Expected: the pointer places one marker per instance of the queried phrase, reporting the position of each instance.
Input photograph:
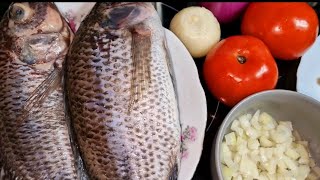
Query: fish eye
(19, 12)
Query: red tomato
(287, 28)
(239, 66)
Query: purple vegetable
(225, 12)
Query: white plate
(308, 73)
(192, 100)
(192, 105)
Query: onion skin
(225, 12)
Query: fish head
(37, 31)
(119, 15)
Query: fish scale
(121, 97)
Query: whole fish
(34, 135)
(121, 96)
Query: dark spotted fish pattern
(34, 136)
(120, 94)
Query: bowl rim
(215, 150)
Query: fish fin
(38, 96)
(174, 164)
(173, 175)
(141, 74)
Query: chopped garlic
(302, 151)
(244, 121)
(267, 121)
(248, 167)
(235, 125)
(272, 176)
(291, 164)
(282, 134)
(255, 120)
(252, 133)
(231, 139)
(226, 155)
(254, 155)
(288, 124)
(302, 172)
(260, 148)
(265, 142)
(282, 167)
(270, 166)
(296, 135)
(292, 154)
(227, 172)
(253, 144)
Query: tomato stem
(241, 59)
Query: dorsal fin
(141, 75)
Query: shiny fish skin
(34, 140)
(126, 127)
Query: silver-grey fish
(34, 136)
(121, 96)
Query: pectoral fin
(39, 95)
(43, 90)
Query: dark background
(287, 80)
